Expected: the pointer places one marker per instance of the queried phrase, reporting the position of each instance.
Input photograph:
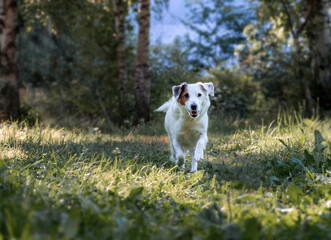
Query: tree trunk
(302, 81)
(122, 71)
(143, 82)
(304, 84)
(319, 45)
(9, 96)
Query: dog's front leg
(198, 152)
(194, 164)
(179, 153)
(172, 149)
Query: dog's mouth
(194, 113)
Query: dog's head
(194, 97)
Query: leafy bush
(235, 91)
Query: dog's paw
(172, 159)
(198, 154)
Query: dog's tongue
(194, 113)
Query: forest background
(92, 63)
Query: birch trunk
(143, 82)
(9, 96)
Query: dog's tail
(164, 107)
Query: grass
(270, 182)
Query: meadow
(267, 181)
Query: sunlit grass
(270, 182)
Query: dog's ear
(176, 90)
(208, 87)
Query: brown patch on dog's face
(184, 96)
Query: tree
(307, 21)
(296, 32)
(282, 46)
(143, 82)
(218, 26)
(9, 96)
(319, 40)
(73, 63)
(119, 10)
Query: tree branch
(289, 18)
(300, 29)
(309, 12)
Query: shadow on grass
(247, 170)
(256, 170)
(146, 150)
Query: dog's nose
(194, 106)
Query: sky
(169, 27)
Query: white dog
(186, 121)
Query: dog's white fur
(187, 129)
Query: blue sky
(170, 26)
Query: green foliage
(68, 59)
(235, 91)
(278, 51)
(218, 27)
(255, 183)
(268, 56)
(70, 55)
(171, 66)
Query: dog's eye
(199, 95)
(186, 95)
